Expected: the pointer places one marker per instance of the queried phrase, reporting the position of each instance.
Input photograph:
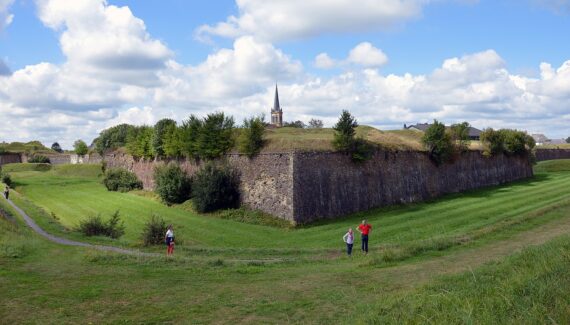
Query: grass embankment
(399, 232)
(19, 147)
(553, 166)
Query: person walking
(348, 238)
(364, 229)
(169, 240)
(7, 192)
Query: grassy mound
(552, 166)
(25, 167)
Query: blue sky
(89, 66)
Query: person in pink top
(348, 238)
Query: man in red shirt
(364, 229)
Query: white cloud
(293, 19)
(6, 17)
(362, 55)
(366, 55)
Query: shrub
(172, 183)
(56, 147)
(153, 231)
(460, 135)
(215, 137)
(510, 142)
(122, 180)
(296, 124)
(315, 124)
(251, 138)
(38, 159)
(80, 147)
(6, 179)
(438, 143)
(345, 131)
(215, 187)
(95, 226)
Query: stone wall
(329, 185)
(552, 154)
(266, 181)
(304, 187)
(10, 158)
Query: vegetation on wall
(345, 138)
(112, 138)
(507, 141)
(439, 143)
(250, 140)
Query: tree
(438, 143)
(161, 129)
(112, 138)
(568, 140)
(172, 143)
(315, 124)
(80, 147)
(345, 131)
(172, 183)
(215, 137)
(139, 142)
(56, 147)
(297, 124)
(190, 134)
(460, 135)
(251, 138)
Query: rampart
(552, 154)
(308, 186)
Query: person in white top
(169, 240)
(348, 238)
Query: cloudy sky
(69, 69)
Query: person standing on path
(7, 192)
(348, 238)
(364, 229)
(169, 239)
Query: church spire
(276, 107)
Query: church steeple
(276, 111)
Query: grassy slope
(72, 198)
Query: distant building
(276, 111)
(474, 134)
(540, 139)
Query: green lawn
(310, 282)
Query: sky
(69, 69)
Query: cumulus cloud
(6, 17)
(293, 19)
(362, 55)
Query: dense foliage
(315, 124)
(568, 140)
(460, 135)
(154, 231)
(507, 141)
(38, 159)
(172, 183)
(121, 180)
(438, 142)
(345, 138)
(251, 138)
(215, 187)
(112, 138)
(95, 226)
(56, 147)
(163, 131)
(215, 137)
(80, 147)
(6, 179)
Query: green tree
(250, 140)
(112, 138)
(345, 132)
(190, 134)
(173, 143)
(296, 124)
(568, 140)
(172, 183)
(438, 143)
(80, 147)
(139, 142)
(161, 129)
(216, 136)
(315, 124)
(215, 187)
(56, 147)
(460, 135)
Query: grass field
(227, 271)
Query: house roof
(539, 138)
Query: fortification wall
(266, 181)
(552, 154)
(329, 185)
(10, 158)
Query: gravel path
(68, 242)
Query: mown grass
(553, 166)
(72, 198)
(532, 287)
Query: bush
(215, 187)
(251, 138)
(122, 180)
(510, 142)
(80, 147)
(38, 159)
(154, 231)
(438, 143)
(95, 226)
(6, 179)
(172, 183)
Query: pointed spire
(276, 106)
